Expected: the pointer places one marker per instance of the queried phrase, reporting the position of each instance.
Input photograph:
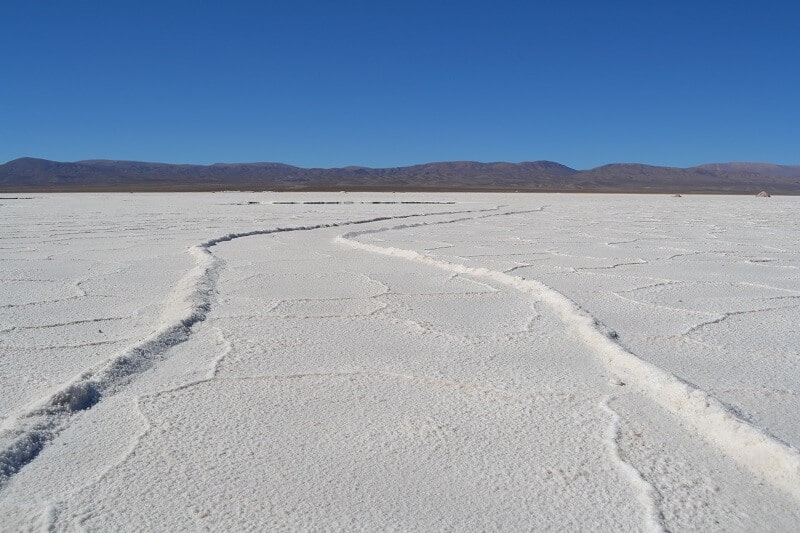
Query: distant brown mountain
(39, 175)
(700, 179)
(767, 169)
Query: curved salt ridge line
(646, 493)
(767, 457)
(25, 434)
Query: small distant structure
(763, 194)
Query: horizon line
(396, 166)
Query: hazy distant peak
(30, 161)
(767, 169)
(31, 174)
(546, 164)
(631, 166)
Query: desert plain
(408, 361)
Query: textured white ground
(580, 362)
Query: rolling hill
(40, 175)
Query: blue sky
(395, 83)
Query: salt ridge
(774, 461)
(24, 434)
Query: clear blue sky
(393, 83)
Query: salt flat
(250, 361)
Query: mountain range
(41, 175)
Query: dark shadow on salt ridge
(27, 433)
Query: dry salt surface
(252, 361)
